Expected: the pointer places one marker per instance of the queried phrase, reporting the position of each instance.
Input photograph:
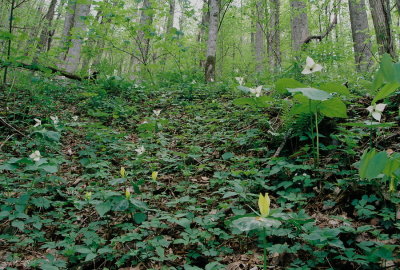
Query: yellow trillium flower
(122, 172)
(127, 193)
(154, 175)
(88, 195)
(264, 203)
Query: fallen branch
(37, 67)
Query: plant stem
(265, 248)
(312, 129)
(317, 135)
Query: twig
(3, 143)
(7, 124)
(278, 151)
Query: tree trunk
(380, 11)
(212, 41)
(68, 24)
(43, 45)
(259, 37)
(142, 42)
(299, 22)
(361, 38)
(74, 52)
(171, 15)
(274, 41)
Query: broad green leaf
(18, 224)
(373, 165)
(311, 93)
(139, 217)
(227, 155)
(364, 163)
(387, 68)
(90, 257)
(333, 107)
(378, 80)
(335, 88)
(386, 91)
(283, 84)
(49, 167)
(103, 208)
(391, 166)
(246, 224)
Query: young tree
(212, 41)
(274, 41)
(361, 38)
(299, 22)
(259, 37)
(380, 11)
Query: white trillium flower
(256, 91)
(376, 111)
(140, 150)
(157, 112)
(38, 122)
(75, 118)
(35, 156)
(54, 119)
(311, 66)
(240, 80)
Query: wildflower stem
(317, 132)
(264, 236)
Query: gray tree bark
(212, 41)
(361, 38)
(171, 15)
(299, 22)
(274, 41)
(380, 11)
(79, 28)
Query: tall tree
(380, 11)
(143, 39)
(45, 35)
(361, 38)
(170, 16)
(74, 33)
(274, 41)
(299, 22)
(259, 36)
(212, 41)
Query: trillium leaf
(333, 87)
(333, 107)
(386, 91)
(246, 224)
(283, 84)
(103, 208)
(311, 93)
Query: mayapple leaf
(372, 164)
(333, 107)
(311, 93)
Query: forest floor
(190, 170)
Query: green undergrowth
(71, 210)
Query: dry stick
(278, 151)
(3, 143)
(7, 124)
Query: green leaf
(372, 164)
(387, 67)
(18, 224)
(41, 202)
(311, 93)
(246, 224)
(283, 84)
(139, 218)
(49, 167)
(333, 107)
(335, 88)
(103, 208)
(391, 167)
(227, 155)
(386, 91)
(90, 257)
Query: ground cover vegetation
(189, 135)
